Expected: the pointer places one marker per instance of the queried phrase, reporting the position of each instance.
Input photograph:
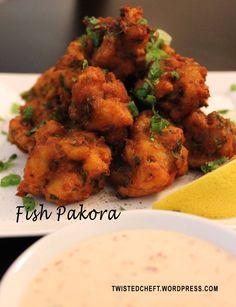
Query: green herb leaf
(33, 130)
(11, 179)
(27, 95)
(4, 132)
(213, 165)
(94, 37)
(15, 108)
(151, 99)
(92, 21)
(133, 109)
(155, 71)
(223, 111)
(122, 208)
(175, 75)
(158, 124)
(27, 113)
(29, 203)
(233, 87)
(142, 21)
(154, 50)
(85, 64)
(7, 164)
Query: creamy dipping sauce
(84, 275)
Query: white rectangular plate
(10, 87)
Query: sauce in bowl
(87, 274)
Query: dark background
(34, 33)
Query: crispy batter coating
(18, 134)
(122, 50)
(209, 137)
(185, 94)
(150, 164)
(49, 98)
(65, 166)
(100, 103)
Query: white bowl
(39, 254)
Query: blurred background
(34, 33)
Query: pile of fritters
(120, 104)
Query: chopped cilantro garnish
(158, 123)
(94, 37)
(27, 95)
(175, 75)
(133, 109)
(233, 87)
(15, 108)
(7, 164)
(11, 179)
(154, 50)
(223, 111)
(150, 99)
(27, 113)
(91, 21)
(122, 208)
(33, 130)
(4, 132)
(142, 21)
(29, 203)
(63, 84)
(212, 165)
(155, 71)
(85, 64)
(144, 92)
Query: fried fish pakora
(65, 166)
(48, 99)
(100, 103)
(181, 89)
(122, 49)
(175, 83)
(151, 161)
(209, 137)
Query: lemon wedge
(212, 195)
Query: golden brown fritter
(49, 98)
(100, 103)
(151, 161)
(209, 137)
(123, 49)
(180, 96)
(18, 131)
(177, 83)
(65, 166)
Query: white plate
(39, 254)
(10, 87)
